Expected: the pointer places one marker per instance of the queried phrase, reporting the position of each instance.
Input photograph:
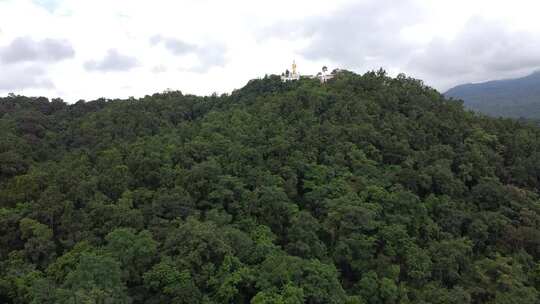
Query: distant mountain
(514, 98)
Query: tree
(318, 281)
(134, 251)
(166, 283)
(39, 245)
(97, 278)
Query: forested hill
(517, 98)
(368, 189)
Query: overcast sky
(81, 49)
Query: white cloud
(20, 78)
(206, 56)
(482, 50)
(362, 35)
(24, 49)
(175, 46)
(202, 46)
(112, 62)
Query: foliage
(367, 189)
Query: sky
(80, 49)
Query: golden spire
(294, 67)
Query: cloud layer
(367, 35)
(24, 61)
(360, 35)
(58, 47)
(15, 78)
(112, 62)
(208, 56)
(25, 49)
(481, 50)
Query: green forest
(368, 189)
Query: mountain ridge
(516, 97)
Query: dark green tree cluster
(365, 190)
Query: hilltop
(366, 189)
(516, 98)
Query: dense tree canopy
(366, 190)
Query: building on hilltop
(290, 76)
(323, 76)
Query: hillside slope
(517, 98)
(368, 189)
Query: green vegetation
(365, 190)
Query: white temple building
(290, 76)
(323, 76)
